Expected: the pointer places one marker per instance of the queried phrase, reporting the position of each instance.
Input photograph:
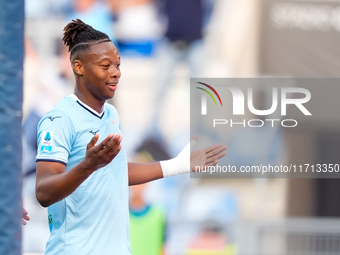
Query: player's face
(101, 70)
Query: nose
(114, 72)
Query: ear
(78, 67)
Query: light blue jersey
(93, 220)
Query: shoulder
(112, 111)
(60, 113)
(65, 104)
(110, 108)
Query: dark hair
(80, 36)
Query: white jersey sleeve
(55, 135)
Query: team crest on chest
(114, 122)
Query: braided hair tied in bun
(79, 36)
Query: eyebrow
(102, 59)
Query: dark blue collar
(88, 108)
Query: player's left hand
(205, 157)
(25, 217)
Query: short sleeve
(55, 134)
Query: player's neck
(89, 100)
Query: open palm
(206, 157)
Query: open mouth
(112, 86)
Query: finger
(217, 157)
(104, 143)
(24, 212)
(113, 144)
(115, 153)
(23, 222)
(212, 163)
(216, 151)
(213, 147)
(93, 141)
(26, 217)
(193, 143)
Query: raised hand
(98, 156)
(206, 157)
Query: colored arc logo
(213, 90)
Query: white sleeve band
(179, 164)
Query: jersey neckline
(88, 108)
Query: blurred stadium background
(240, 38)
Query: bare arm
(54, 184)
(142, 173)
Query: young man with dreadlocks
(82, 169)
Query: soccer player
(82, 169)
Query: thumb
(193, 142)
(93, 141)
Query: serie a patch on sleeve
(47, 141)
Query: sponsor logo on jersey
(53, 118)
(93, 132)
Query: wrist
(177, 165)
(169, 167)
(85, 168)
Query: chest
(86, 130)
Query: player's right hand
(98, 156)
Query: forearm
(142, 173)
(53, 188)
